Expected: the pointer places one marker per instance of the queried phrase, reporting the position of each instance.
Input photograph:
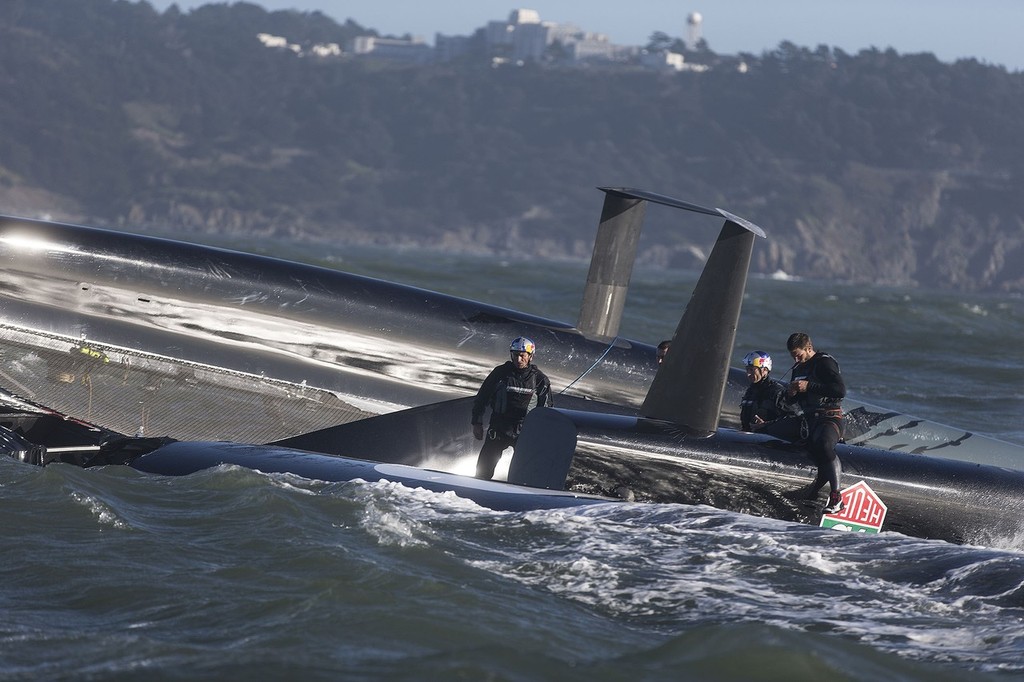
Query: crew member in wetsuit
(510, 390)
(818, 388)
(765, 399)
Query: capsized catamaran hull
(140, 334)
(311, 366)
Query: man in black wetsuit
(510, 390)
(764, 400)
(818, 388)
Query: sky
(987, 30)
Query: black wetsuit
(765, 399)
(821, 426)
(510, 393)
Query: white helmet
(758, 358)
(521, 344)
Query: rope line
(589, 369)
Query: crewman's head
(758, 364)
(663, 350)
(800, 347)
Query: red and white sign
(864, 511)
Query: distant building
(521, 38)
(326, 50)
(319, 50)
(662, 60)
(447, 48)
(524, 37)
(399, 49)
(530, 40)
(278, 42)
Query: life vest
(763, 399)
(820, 378)
(511, 393)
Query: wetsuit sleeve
(747, 408)
(827, 380)
(483, 396)
(544, 391)
(790, 403)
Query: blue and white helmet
(521, 344)
(758, 358)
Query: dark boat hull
(155, 337)
(140, 334)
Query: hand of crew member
(478, 431)
(795, 387)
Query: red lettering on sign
(862, 506)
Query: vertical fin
(611, 264)
(690, 382)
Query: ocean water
(231, 574)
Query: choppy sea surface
(231, 574)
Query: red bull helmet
(521, 344)
(758, 358)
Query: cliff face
(929, 229)
(874, 167)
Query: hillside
(875, 167)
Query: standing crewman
(510, 390)
(818, 388)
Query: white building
(662, 60)
(278, 42)
(326, 50)
(319, 50)
(414, 50)
(524, 37)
